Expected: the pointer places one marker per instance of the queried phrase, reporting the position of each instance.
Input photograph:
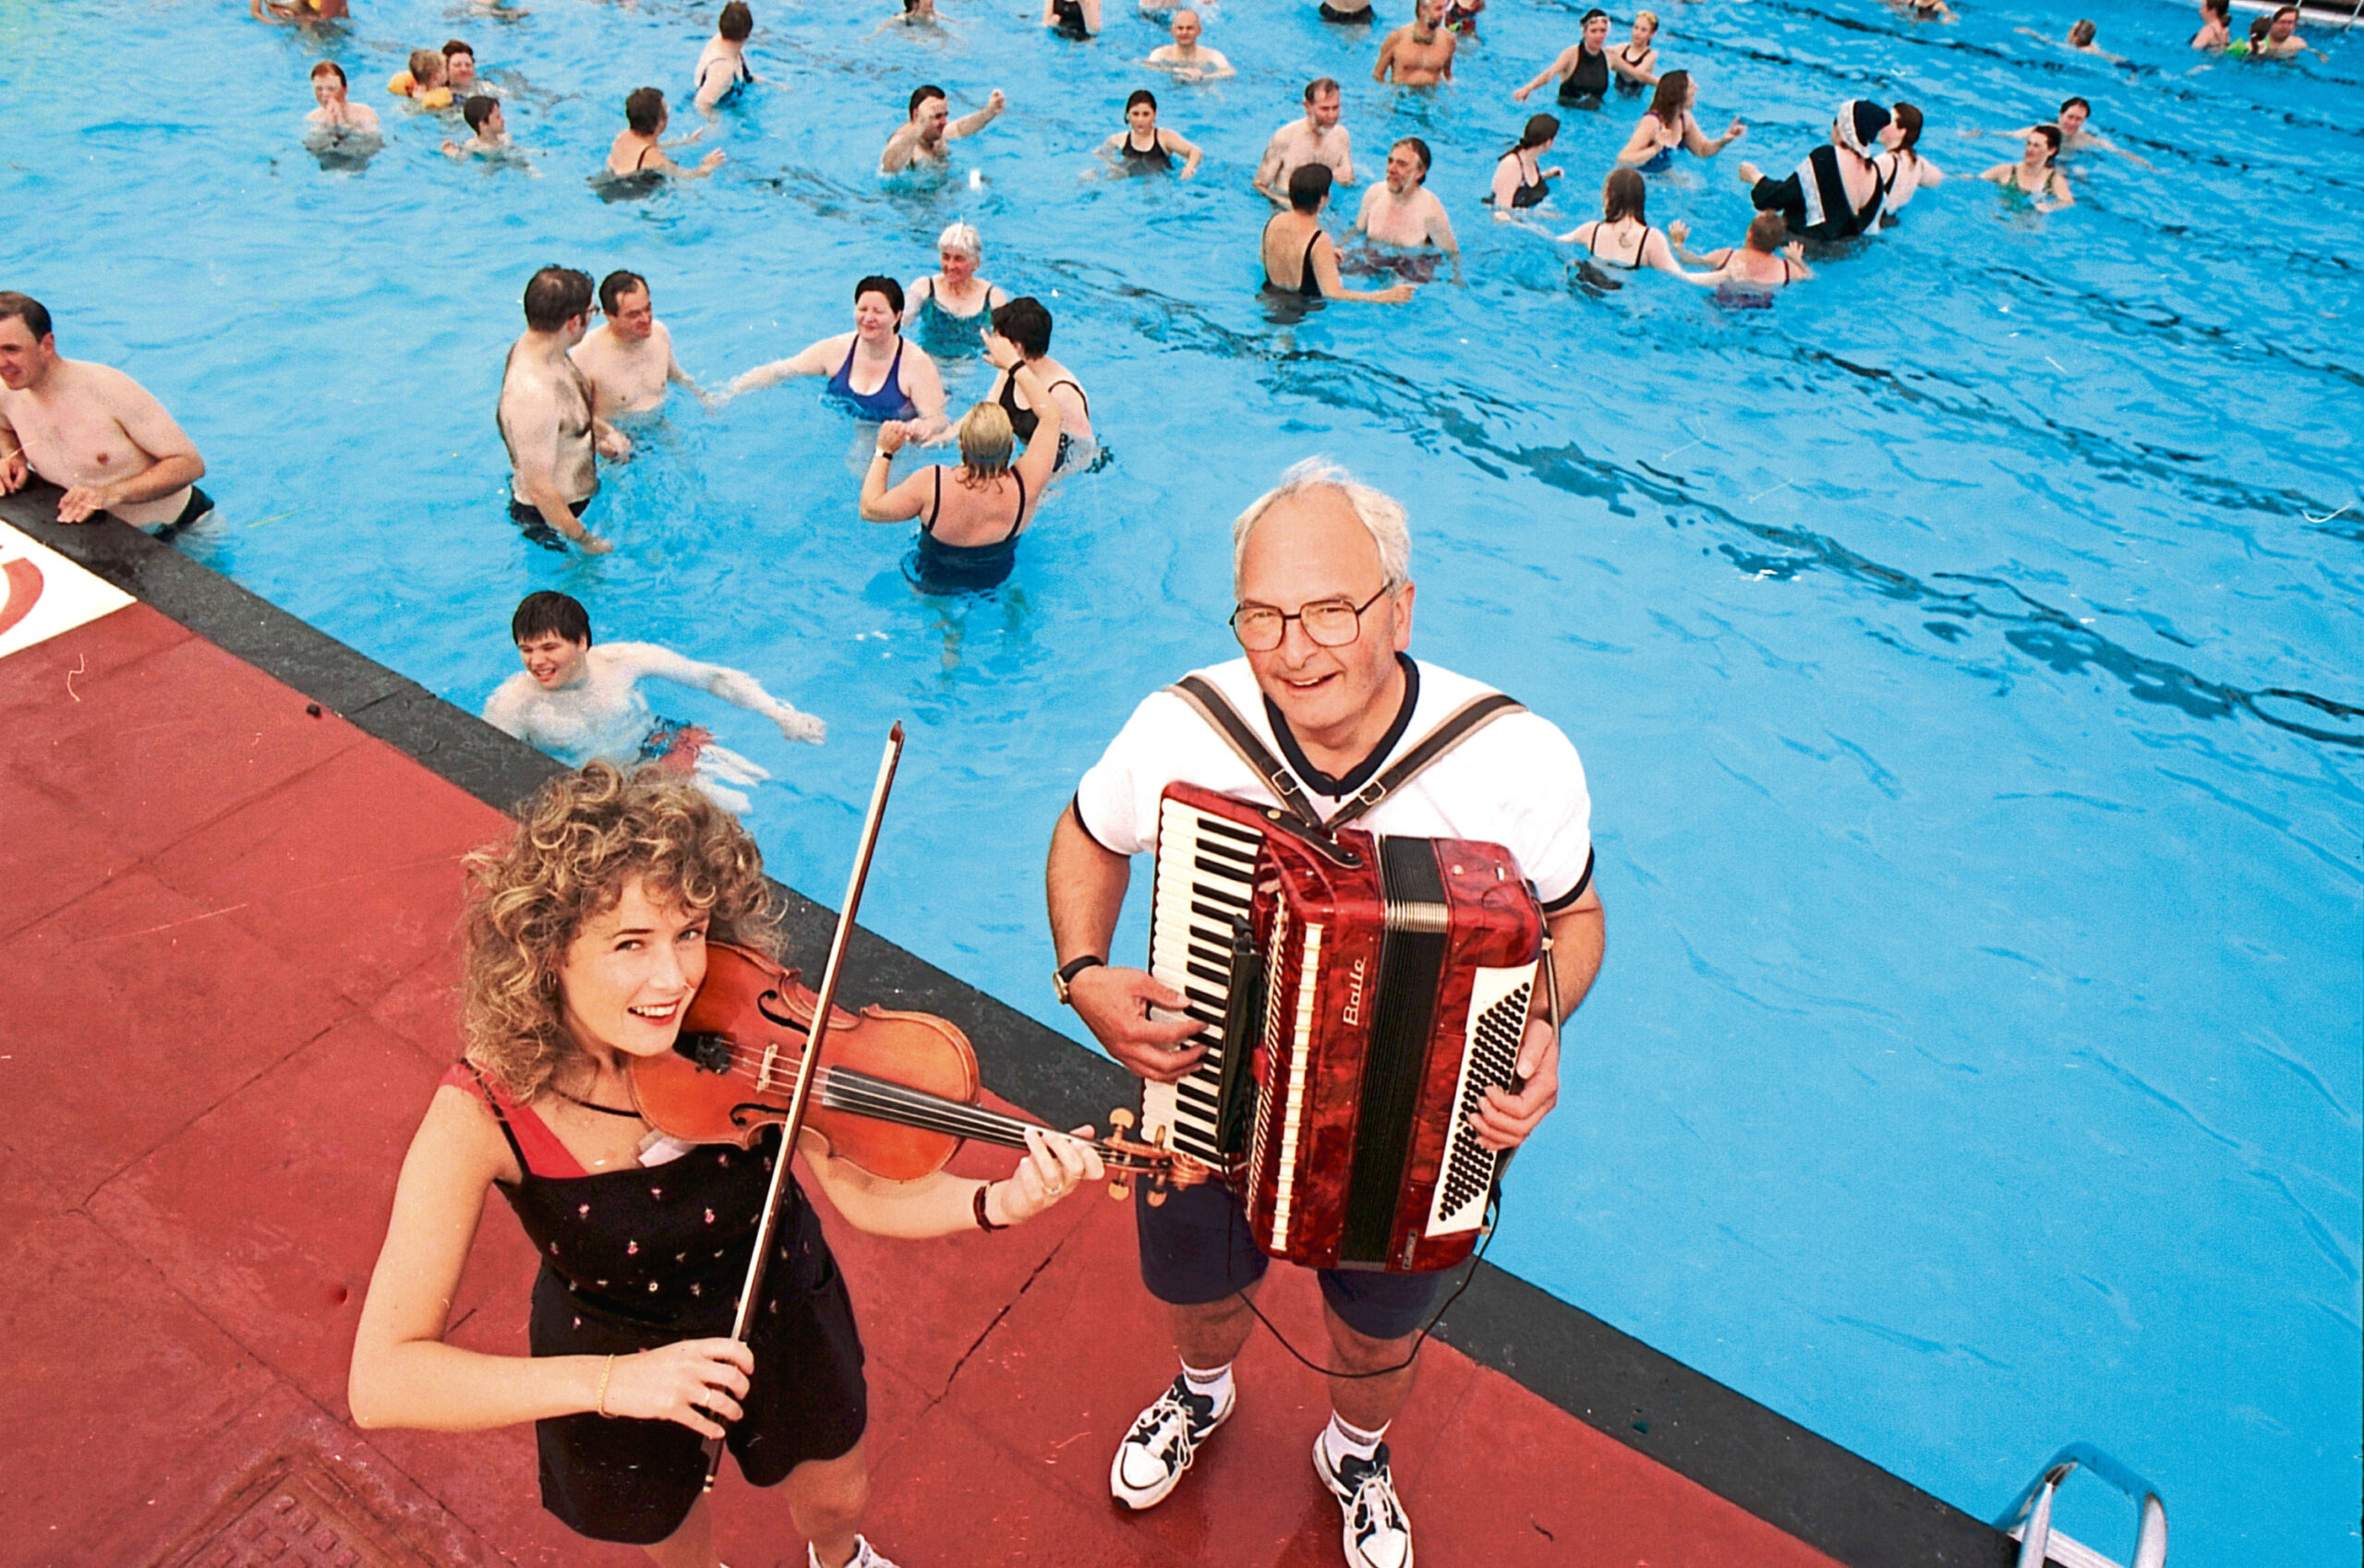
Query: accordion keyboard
(1497, 1017)
(1205, 878)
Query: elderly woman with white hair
(956, 293)
(968, 527)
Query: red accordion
(1384, 984)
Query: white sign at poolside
(42, 594)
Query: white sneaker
(1376, 1533)
(864, 1556)
(1163, 1441)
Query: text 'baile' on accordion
(1357, 995)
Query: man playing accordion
(1325, 614)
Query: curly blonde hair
(579, 839)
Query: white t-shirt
(1517, 782)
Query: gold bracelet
(604, 1374)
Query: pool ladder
(2029, 1521)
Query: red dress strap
(536, 1145)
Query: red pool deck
(229, 914)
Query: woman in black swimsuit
(1072, 18)
(1582, 68)
(1143, 147)
(586, 935)
(1298, 232)
(968, 538)
(1636, 64)
(1520, 178)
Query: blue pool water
(1965, 653)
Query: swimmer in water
(1072, 18)
(1582, 69)
(2080, 40)
(1636, 64)
(722, 72)
(423, 82)
(637, 149)
(1190, 60)
(2216, 32)
(968, 538)
(1419, 54)
(583, 703)
(2073, 120)
(2281, 40)
(1767, 258)
(487, 128)
(1669, 124)
(628, 361)
(902, 382)
(303, 13)
(1144, 146)
(921, 140)
(1621, 236)
(1925, 10)
(1460, 17)
(1317, 138)
(546, 420)
(460, 70)
(1024, 325)
(1295, 241)
(337, 112)
(89, 430)
(1520, 178)
(1835, 192)
(1401, 209)
(1348, 15)
(1903, 170)
(954, 293)
(2037, 173)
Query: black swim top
(1153, 158)
(927, 523)
(1641, 247)
(1528, 194)
(1023, 422)
(1066, 19)
(1626, 55)
(740, 77)
(1587, 80)
(1307, 285)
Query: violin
(896, 1092)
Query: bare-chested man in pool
(546, 420)
(630, 361)
(89, 430)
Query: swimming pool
(1964, 653)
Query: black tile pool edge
(1834, 1500)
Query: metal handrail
(2029, 1518)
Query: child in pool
(489, 127)
(337, 113)
(423, 83)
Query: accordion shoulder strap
(1225, 719)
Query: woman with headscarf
(1835, 194)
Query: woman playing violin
(585, 940)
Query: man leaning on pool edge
(1321, 568)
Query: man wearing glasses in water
(1321, 568)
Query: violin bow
(768, 1232)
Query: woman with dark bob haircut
(586, 937)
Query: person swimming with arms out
(2079, 41)
(953, 296)
(2037, 175)
(638, 151)
(903, 381)
(1766, 259)
(628, 361)
(1295, 241)
(91, 430)
(1520, 180)
(1315, 137)
(1669, 125)
(1903, 170)
(1144, 146)
(968, 528)
(1079, 19)
(1190, 61)
(1025, 324)
(1582, 69)
(2073, 122)
(422, 83)
(338, 116)
(920, 142)
(722, 70)
(1418, 53)
(1401, 211)
(582, 703)
(1621, 236)
(1636, 63)
(588, 931)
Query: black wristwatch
(1064, 976)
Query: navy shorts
(1196, 1249)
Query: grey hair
(1382, 515)
(962, 238)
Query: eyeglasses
(1332, 623)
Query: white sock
(1214, 1385)
(1339, 1440)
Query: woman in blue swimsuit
(1669, 124)
(874, 371)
